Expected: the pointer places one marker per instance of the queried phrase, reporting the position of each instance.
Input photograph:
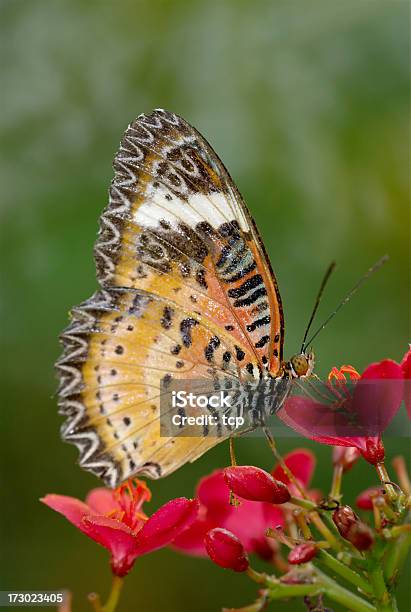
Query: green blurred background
(308, 106)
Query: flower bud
(302, 553)
(344, 517)
(352, 528)
(361, 536)
(255, 484)
(364, 500)
(226, 550)
(374, 451)
(345, 456)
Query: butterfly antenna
(349, 295)
(327, 275)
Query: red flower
(406, 370)
(364, 499)
(355, 417)
(115, 520)
(352, 529)
(302, 553)
(301, 463)
(248, 520)
(255, 484)
(345, 456)
(226, 550)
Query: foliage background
(307, 104)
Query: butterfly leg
(273, 446)
(233, 459)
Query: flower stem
(286, 469)
(114, 596)
(395, 557)
(317, 520)
(256, 576)
(303, 503)
(309, 505)
(400, 468)
(300, 519)
(95, 602)
(385, 480)
(342, 570)
(325, 532)
(384, 602)
(346, 598)
(66, 605)
(336, 483)
(283, 591)
(323, 584)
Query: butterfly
(186, 292)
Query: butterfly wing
(187, 293)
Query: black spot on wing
(167, 317)
(210, 348)
(186, 326)
(262, 342)
(239, 353)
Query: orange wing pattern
(187, 292)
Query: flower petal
(377, 397)
(312, 420)
(345, 457)
(101, 501)
(191, 540)
(364, 499)
(385, 369)
(73, 509)
(366, 412)
(301, 462)
(213, 493)
(116, 537)
(166, 524)
(110, 533)
(250, 520)
(406, 370)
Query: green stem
(325, 532)
(114, 596)
(323, 584)
(256, 576)
(303, 503)
(283, 591)
(385, 480)
(384, 602)
(395, 557)
(342, 570)
(346, 598)
(317, 520)
(336, 483)
(95, 602)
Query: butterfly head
(300, 365)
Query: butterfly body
(187, 293)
